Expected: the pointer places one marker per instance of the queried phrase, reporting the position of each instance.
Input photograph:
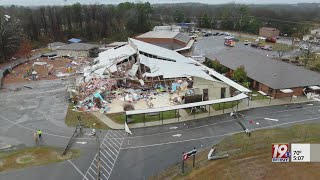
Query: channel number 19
(280, 152)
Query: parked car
(262, 38)
(246, 42)
(227, 34)
(228, 37)
(216, 34)
(267, 47)
(272, 40)
(256, 45)
(229, 43)
(207, 35)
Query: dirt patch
(19, 73)
(33, 157)
(25, 159)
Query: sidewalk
(185, 117)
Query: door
(205, 94)
(223, 92)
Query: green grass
(88, 120)
(250, 157)
(226, 105)
(139, 118)
(34, 156)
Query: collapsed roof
(159, 62)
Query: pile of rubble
(45, 69)
(98, 93)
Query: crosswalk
(109, 150)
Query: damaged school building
(147, 76)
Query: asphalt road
(153, 149)
(145, 153)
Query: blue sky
(62, 2)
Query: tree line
(106, 23)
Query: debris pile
(45, 69)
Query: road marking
(90, 175)
(106, 156)
(174, 127)
(176, 135)
(110, 145)
(83, 142)
(68, 137)
(222, 135)
(93, 171)
(109, 150)
(77, 169)
(271, 119)
(221, 122)
(115, 144)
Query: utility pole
(98, 159)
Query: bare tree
(10, 36)
(307, 47)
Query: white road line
(106, 163)
(118, 141)
(68, 137)
(105, 169)
(229, 120)
(115, 135)
(77, 169)
(115, 161)
(227, 134)
(270, 119)
(109, 149)
(112, 146)
(105, 175)
(93, 171)
(91, 175)
(107, 157)
(109, 154)
(115, 144)
(119, 134)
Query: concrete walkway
(185, 117)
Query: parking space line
(118, 141)
(112, 146)
(121, 135)
(104, 176)
(106, 157)
(109, 155)
(106, 170)
(93, 170)
(115, 135)
(115, 144)
(106, 164)
(91, 175)
(109, 149)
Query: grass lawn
(88, 119)
(34, 156)
(226, 105)
(250, 157)
(120, 117)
